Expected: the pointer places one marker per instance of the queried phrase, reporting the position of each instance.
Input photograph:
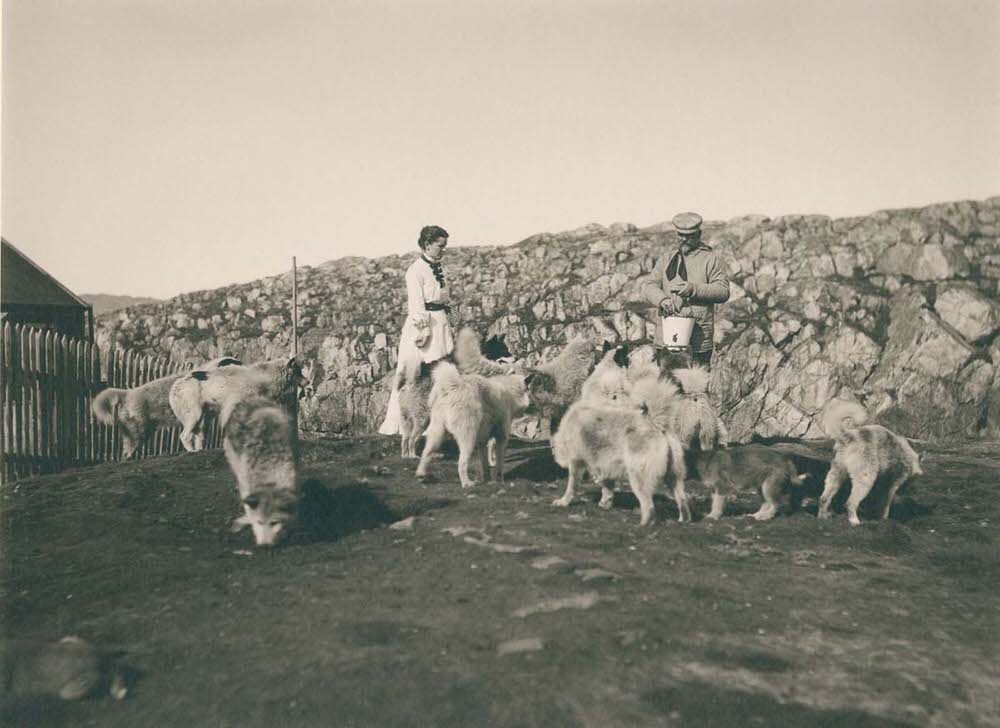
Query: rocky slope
(900, 308)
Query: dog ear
(621, 356)
(606, 347)
(529, 377)
(252, 500)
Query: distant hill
(106, 303)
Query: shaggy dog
(414, 410)
(198, 392)
(415, 385)
(630, 439)
(729, 470)
(470, 359)
(558, 383)
(864, 453)
(69, 669)
(262, 452)
(609, 382)
(143, 409)
(473, 409)
(696, 421)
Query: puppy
(864, 453)
(261, 449)
(202, 391)
(473, 409)
(630, 440)
(729, 470)
(69, 669)
(143, 409)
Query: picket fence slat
(47, 386)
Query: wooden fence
(48, 384)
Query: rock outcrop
(900, 308)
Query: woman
(427, 334)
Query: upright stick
(295, 309)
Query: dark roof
(25, 283)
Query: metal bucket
(677, 330)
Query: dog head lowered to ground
(557, 383)
(262, 451)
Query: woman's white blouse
(423, 288)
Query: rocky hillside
(900, 308)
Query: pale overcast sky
(152, 147)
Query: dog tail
(470, 360)
(658, 400)
(446, 375)
(105, 403)
(692, 380)
(842, 416)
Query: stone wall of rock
(900, 308)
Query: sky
(154, 147)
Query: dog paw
(561, 502)
(606, 504)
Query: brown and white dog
(864, 453)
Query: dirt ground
(493, 608)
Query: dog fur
(557, 384)
(262, 451)
(201, 391)
(863, 454)
(609, 381)
(630, 439)
(414, 410)
(473, 409)
(729, 470)
(469, 357)
(143, 409)
(696, 421)
(415, 384)
(69, 669)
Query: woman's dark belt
(435, 306)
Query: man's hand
(686, 291)
(667, 306)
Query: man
(689, 282)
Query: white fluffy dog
(201, 391)
(473, 409)
(631, 438)
(863, 453)
(141, 410)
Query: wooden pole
(295, 309)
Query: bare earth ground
(496, 609)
